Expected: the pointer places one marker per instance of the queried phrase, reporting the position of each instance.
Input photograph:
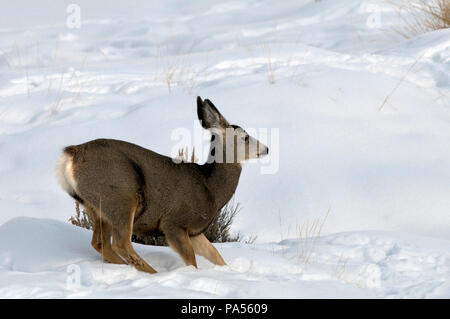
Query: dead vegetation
(81, 218)
(421, 16)
(307, 234)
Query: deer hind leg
(179, 240)
(101, 241)
(203, 247)
(121, 232)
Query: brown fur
(129, 189)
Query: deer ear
(209, 115)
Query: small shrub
(81, 218)
(219, 229)
(421, 16)
(183, 155)
(149, 240)
(217, 232)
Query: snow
(357, 121)
(52, 259)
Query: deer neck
(221, 178)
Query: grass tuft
(422, 16)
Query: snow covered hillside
(357, 120)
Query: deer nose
(265, 151)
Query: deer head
(229, 143)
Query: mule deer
(127, 189)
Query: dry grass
(27, 58)
(388, 97)
(307, 235)
(56, 106)
(171, 65)
(81, 218)
(421, 16)
(183, 155)
(176, 68)
(269, 64)
(340, 267)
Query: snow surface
(363, 120)
(55, 260)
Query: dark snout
(263, 150)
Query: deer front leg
(203, 247)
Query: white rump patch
(64, 173)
